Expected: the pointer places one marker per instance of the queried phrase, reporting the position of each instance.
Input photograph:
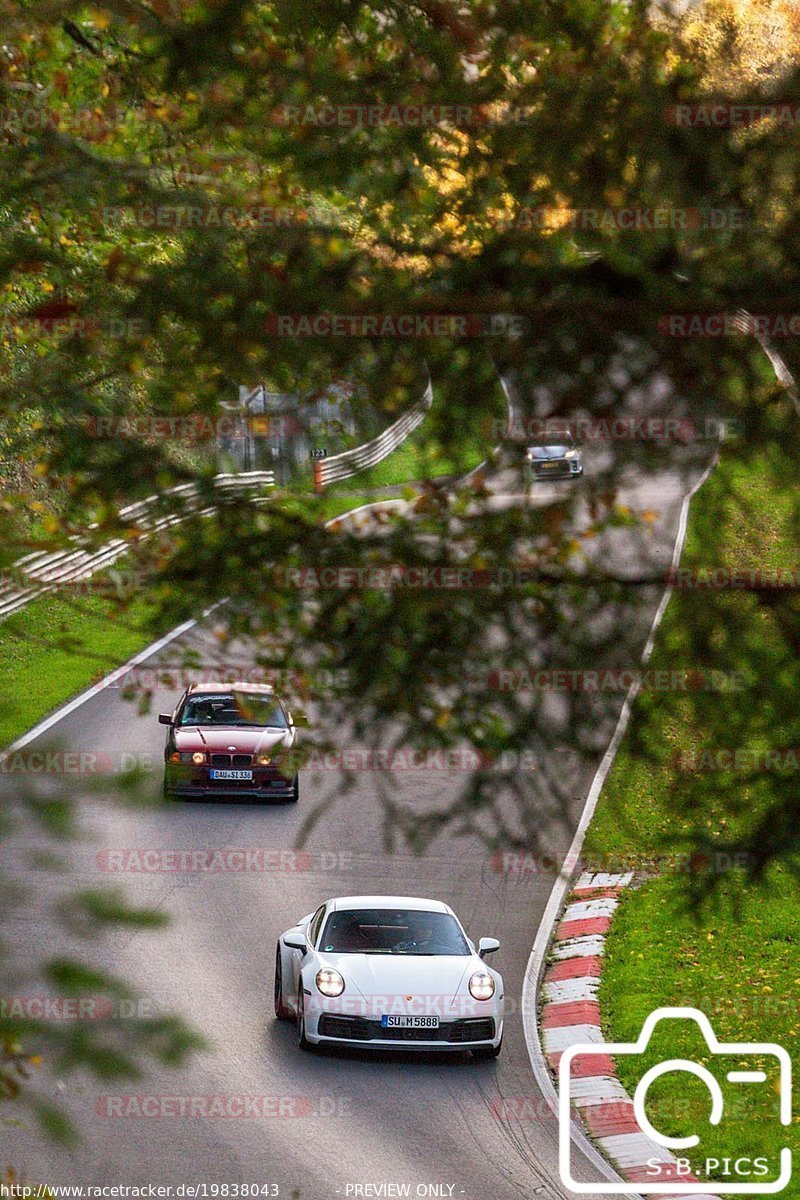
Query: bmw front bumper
(193, 783)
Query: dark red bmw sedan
(230, 739)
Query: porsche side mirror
(164, 719)
(297, 943)
(487, 946)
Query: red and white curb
(571, 1016)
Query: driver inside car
(421, 938)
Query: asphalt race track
(335, 1121)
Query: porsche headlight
(481, 985)
(330, 982)
(571, 454)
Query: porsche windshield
(389, 931)
(242, 709)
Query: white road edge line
(107, 681)
(535, 967)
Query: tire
(302, 1041)
(487, 1052)
(281, 1011)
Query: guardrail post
(318, 483)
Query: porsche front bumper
(453, 1034)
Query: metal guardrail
(43, 571)
(367, 516)
(746, 323)
(349, 462)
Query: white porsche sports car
(390, 972)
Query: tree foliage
(114, 113)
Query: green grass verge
(692, 935)
(415, 460)
(330, 506)
(740, 967)
(57, 646)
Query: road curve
(448, 1126)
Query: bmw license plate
(405, 1021)
(239, 775)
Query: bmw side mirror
(297, 943)
(487, 946)
(164, 719)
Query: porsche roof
(388, 902)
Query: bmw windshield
(245, 710)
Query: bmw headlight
(264, 760)
(198, 757)
(481, 985)
(329, 982)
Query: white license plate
(241, 775)
(404, 1021)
